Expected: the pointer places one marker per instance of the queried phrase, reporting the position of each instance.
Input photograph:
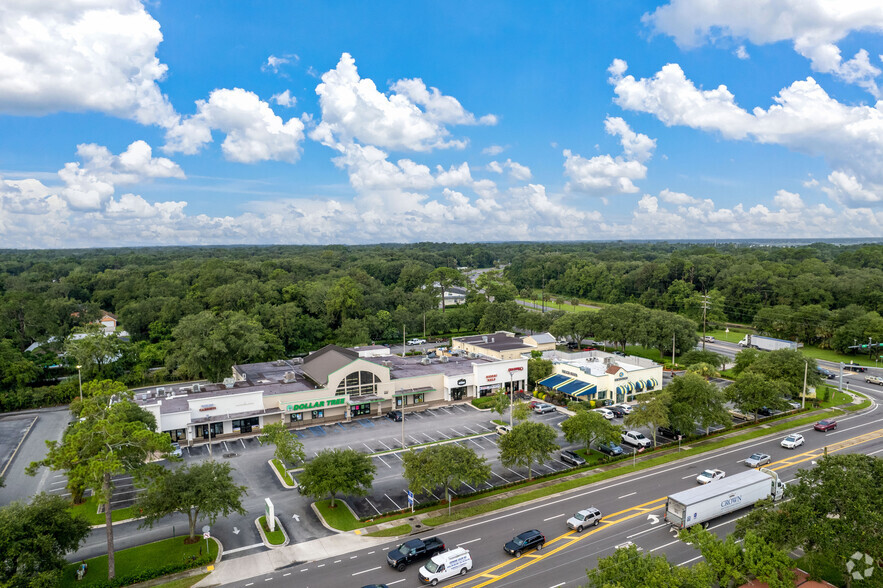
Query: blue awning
(574, 387)
(620, 389)
(630, 387)
(553, 380)
(639, 385)
(587, 391)
(651, 383)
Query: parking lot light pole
(512, 371)
(80, 377)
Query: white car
(792, 441)
(604, 413)
(503, 429)
(635, 438)
(589, 517)
(176, 450)
(416, 341)
(710, 475)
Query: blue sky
(165, 123)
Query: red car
(589, 349)
(825, 425)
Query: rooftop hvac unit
(425, 361)
(197, 388)
(161, 390)
(228, 382)
(296, 360)
(279, 363)
(484, 338)
(444, 359)
(289, 377)
(473, 356)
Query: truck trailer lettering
(731, 501)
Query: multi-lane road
(632, 507)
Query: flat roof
(409, 367)
(499, 341)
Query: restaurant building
(600, 376)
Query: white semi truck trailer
(768, 343)
(704, 503)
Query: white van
(446, 565)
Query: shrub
(485, 402)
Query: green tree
(445, 277)
(696, 401)
(787, 366)
(94, 352)
(752, 391)
(745, 359)
(16, 369)
(289, 449)
(651, 412)
(538, 369)
(112, 436)
(830, 513)
(337, 471)
(733, 562)
(447, 466)
(588, 426)
(501, 402)
(706, 370)
(521, 411)
(527, 443)
(630, 568)
(205, 489)
(695, 356)
(344, 300)
(34, 539)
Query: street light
(80, 377)
(512, 371)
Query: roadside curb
(17, 447)
(329, 527)
(257, 523)
(279, 477)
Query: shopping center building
(601, 376)
(330, 385)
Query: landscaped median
(282, 474)
(143, 563)
(89, 511)
(341, 518)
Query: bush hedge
(485, 402)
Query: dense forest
(193, 312)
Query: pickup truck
(412, 551)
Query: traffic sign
(206, 535)
(410, 497)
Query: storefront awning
(553, 381)
(587, 391)
(652, 383)
(621, 390)
(412, 391)
(573, 387)
(364, 399)
(639, 386)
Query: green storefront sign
(315, 404)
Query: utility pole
(543, 298)
(403, 340)
(803, 400)
(424, 325)
(704, 311)
(672, 352)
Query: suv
(874, 380)
(572, 457)
(853, 367)
(635, 438)
(544, 408)
(708, 339)
(589, 517)
(825, 425)
(669, 432)
(618, 411)
(395, 415)
(523, 542)
(825, 373)
(611, 449)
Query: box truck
(703, 503)
(768, 343)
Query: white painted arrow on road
(653, 519)
(236, 530)
(295, 517)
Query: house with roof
(503, 344)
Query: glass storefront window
(458, 393)
(296, 417)
(318, 414)
(399, 400)
(178, 434)
(418, 398)
(245, 425)
(357, 383)
(361, 409)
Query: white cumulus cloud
(284, 99)
(605, 174)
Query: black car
(765, 411)
(376, 586)
(669, 432)
(573, 458)
(523, 542)
(395, 415)
(572, 345)
(611, 449)
(826, 373)
(617, 411)
(619, 353)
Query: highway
(632, 507)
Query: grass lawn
(734, 336)
(139, 560)
(392, 531)
(184, 582)
(838, 399)
(499, 422)
(89, 511)
(592, 457)
(276, 537)
(565, 306)
(339, 517)
(281, 469)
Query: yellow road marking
(641, 509)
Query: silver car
(584, 518)
(757, 459)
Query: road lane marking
(320, 566)
(666, 545)
(247, 547)
(288, 574)
(354, 557)
(646, 531)
(555, 517)
(366, 571)
(627, 495)
(690, 476)
(396, 582)
(468, 542)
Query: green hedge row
(485, 402)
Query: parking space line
(456, 432)
(470, 430)
(499, 476)
(445, 409)
(384, 462)
(442, 434)
(482, 426)
(491, 440)
(393, 502)
(243, 442)
(372, 506)
(427, 436)
(397, 456)
(476, 443)
(468, 486)
(414, 440)
(431, 493)
(365, 423)
(226, 447)
(516, 473)
(384, 444)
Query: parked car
(611, 449)
(765, 411)
(792, 441)
(874, 380)
(625, 408)
(635, 438)
(757, 459)
(618, 411)
(572, 457)
(416, 341)
(589, 348)
(543, 408)
(619, 353)
(589, 517)
(503, 429)
(176, 450)
(524, 541)
(572, 345)
(825, 425)
(669, 432)
(395, 415)
(533, 404)
(709, 476)
(607, 414)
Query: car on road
(412, 551)
(709, 476)
(611, 449)
(176, 450)
(854, 367)
(394, 415)
(607, 414)
(572, 457)
(416, 341)
(445, 565)
(635, 438)
(543, 408)
(589, 517)
(755, 460)
(502, 429)
(524, 541)
(669, 432)
(874, 380)
(825, 425)
(618, 411)
(825, 373)
(792, 441)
